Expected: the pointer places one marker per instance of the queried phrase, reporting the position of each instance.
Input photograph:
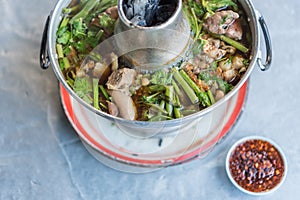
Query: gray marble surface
(41, 157)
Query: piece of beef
(121, 80)
(224, 23)
(235, 31)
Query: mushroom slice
(230, 75)
(125, 104)
(238, 62)
(112, 12)
(219, 95)
(225, 65)
(112, 109)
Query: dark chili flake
(256, 165)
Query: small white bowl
(255, 138)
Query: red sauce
(256, 165)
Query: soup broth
(218, 58)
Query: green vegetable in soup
(231, 42)
(83, 88)
(161, 77)
(213, 5)
(151, 98)
(78, 35)
(79, 29)
(198, 46)
(170, 95)
(83, 13)
(63, 35)
(104, 92)
(194, 12)
(223, 85)
(167, 94)
(201, 95)
(186, 87)
(158, 108)
(96, 93)
(106, 22)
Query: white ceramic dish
(256, 138)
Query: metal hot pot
(187, 138)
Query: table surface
(41, 156)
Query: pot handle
(44, 58)
(268, 43)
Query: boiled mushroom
(125, 104)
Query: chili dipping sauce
(256, 165)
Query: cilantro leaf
(161, 77)
(198, 46)
(107, 23)
(80, 46)
(214, 5)
(223, 85)
(79, 28)
(83, 88)
(198, 8)
(205, 76)
(63, 35)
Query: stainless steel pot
(154, 47)
(48, 55)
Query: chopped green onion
(231, 42)
(191, 83)
(176, 88)
(162, 105)
(187, 89)
(64, 22)
(202, 95)
(104, 92)
(188, 112)
(157, 107)
(85, 10)
(103, 106)
(177, 113)
(66, 63)
(59, 49)
(211, 97)
(170, 95)
(95, 57)
(96, 93)
(156, 88)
